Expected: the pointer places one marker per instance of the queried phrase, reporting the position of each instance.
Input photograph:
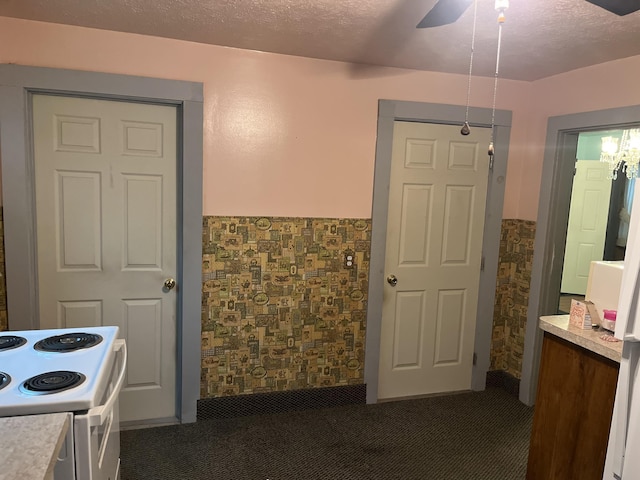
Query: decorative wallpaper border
(284, 303)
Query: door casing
(17, 85)
(551, 227)
(390, 111)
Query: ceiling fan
(445, 12)
(619, 7)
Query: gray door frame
(551, 228)
(390, 111)
(17, 85)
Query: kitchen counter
(29, 445)
(574, 403)
(558, 325)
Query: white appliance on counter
(623, 452)
(603, 285)
(79, 371)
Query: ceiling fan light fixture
(502, 5)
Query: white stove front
(23, 362)
(91, 449)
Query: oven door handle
(98, 415)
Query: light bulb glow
(609, 145)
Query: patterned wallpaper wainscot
(512, 295)
(282, 308)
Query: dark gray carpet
(473, 436)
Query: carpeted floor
(474, 436)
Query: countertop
(29, 445)
(590, 339)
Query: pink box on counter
(579, 316)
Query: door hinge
(475, 358)
(482, 264)
(490, 162)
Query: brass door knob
(169, 284)
(392, 280)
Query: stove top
(50, 383)
(4, 380)
(8, 342)
(57, 370)
(68, 342)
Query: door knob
(169, 283)
(392, 280)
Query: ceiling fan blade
(444, 12)
(619, 7)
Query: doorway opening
(599, 213)
(551, 231)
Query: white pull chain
(501, 6)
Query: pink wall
(283, 135)
(291, 136)
(608, 85)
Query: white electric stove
(79, 371)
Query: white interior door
(105, 176)
(587, 227)
(437, 197)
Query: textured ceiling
(540, 37)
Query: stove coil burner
(7, 342)
(5, 380)
(52, 382)
(68, 342)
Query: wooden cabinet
(572, 415)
